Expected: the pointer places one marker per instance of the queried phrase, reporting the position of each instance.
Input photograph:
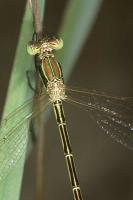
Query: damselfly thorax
(49, 69)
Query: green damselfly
(112, 114)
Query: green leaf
(18, 93)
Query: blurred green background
(105, 64)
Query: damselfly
(112, 114)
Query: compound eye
(32, 48)
(56, 44)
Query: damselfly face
(45, 45)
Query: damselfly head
(44, 47)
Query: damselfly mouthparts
(113, 114)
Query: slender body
(52, 78)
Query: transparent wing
(113, 114)
(14, 133)
(12, 150)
